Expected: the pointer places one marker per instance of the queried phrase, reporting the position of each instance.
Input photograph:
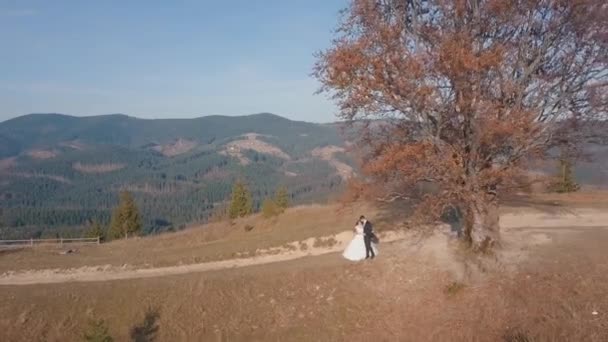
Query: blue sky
(157, 59)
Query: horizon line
(169, 118)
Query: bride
(355, 251)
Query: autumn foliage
(461, 94)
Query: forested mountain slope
(59, 172)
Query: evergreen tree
(282, 198)
(96, 230)
(125, 219)
(241, 202)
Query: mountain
(42, 130)
(58, 172)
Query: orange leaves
(415, 162)
(341, 64)
(455, 54)
(460, 55)
(467, 89)
(497, 129)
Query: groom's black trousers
(369, 251)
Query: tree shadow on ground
(396, 214)
(147, 330)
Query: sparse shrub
(270, 209)
(248, 227)
(96, 230)
(515, 335)
(321, 242)
(147, 330)
(454, 288)
(289, 247)
(97, 331)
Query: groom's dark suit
(368, 233)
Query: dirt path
(510, 222)
(108, 272)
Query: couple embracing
(364, 243)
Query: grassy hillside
(418, 289)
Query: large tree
(462, 93)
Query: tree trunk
(482, 229)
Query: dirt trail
(528, 220)
(108, 272)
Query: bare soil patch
(41, 154)
(56, 178)
(7, 163)
(179, 146)
(327, 153)
(250, 142)
(74, 144)
(97, 168)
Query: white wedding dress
(355, 251)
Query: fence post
(61, 241)
(98, 240)
(31, 241)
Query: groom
(368, 233)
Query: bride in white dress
(355, 251)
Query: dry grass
(225, 240)
(549, 296)
(393, 298)
(212, 242)
(589, 198)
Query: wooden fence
(61, 241)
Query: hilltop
(39, 131)
(283, 280)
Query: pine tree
(241, 203)
(282, 198)
(96, 230)
(125, 219)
